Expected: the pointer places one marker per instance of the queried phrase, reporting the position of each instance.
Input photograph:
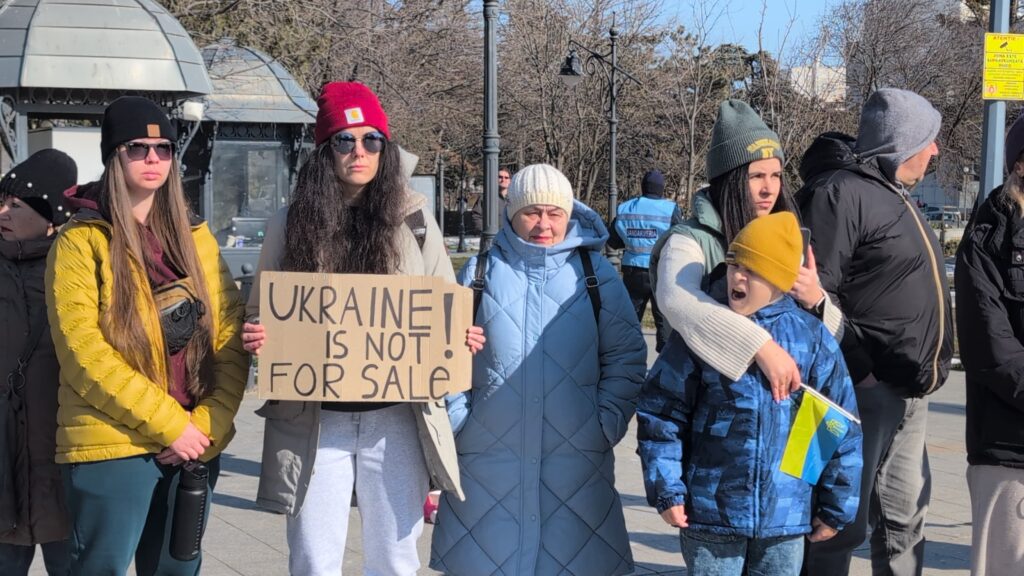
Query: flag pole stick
(828, 401)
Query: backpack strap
(418, 226)
(590, 279)
(479, 283)
(16, 377)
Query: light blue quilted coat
(552, 394)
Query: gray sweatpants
(895, 491)
(379, 454)
(997, 515)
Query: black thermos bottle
(189, 512)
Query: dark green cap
(739, 137)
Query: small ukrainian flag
(819, 427)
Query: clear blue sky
(737, 21)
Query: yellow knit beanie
(771, 247)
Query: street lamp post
(440, 193)
(962, 196)
(491, 141)
(462, 210)
(573, 71)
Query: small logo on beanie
(354, 115)
(153, 130)
(767, 146)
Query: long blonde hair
(169, 221)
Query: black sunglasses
(140, 150)
(345, 143)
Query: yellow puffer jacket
(107, 409)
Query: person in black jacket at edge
(990, 322)
(882, 263)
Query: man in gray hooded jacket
(882, 263)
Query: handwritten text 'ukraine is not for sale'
(348, 337)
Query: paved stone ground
(244, 540)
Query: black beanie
(40, 182)
(132, 117)
(653, 184)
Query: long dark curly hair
(730, 195)
(324, 234)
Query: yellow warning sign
(1003, 76)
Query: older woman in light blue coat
(553, 391)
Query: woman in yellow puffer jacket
(145, 320)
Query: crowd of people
(126, 350)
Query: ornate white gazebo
(70, 58)
(242, 163)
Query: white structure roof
(129, 45)
(249, 86)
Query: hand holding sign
(475, 339)
(362, 337)
(253, 336)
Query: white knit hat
(539, 184)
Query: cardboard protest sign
(352, 338)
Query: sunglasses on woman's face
(140, 150)
(345, 143)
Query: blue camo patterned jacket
(716, 446)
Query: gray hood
(894, 125)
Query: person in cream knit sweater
(745, 171)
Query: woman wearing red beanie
(352, 212)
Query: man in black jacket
(990, 323)
(881, 262)
(477, 215)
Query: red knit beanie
(347, 105)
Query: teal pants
(122, 509)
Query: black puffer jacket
(883, 265)
(42, 515)
(990, 323)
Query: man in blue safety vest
(639, 223)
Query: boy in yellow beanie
(711, 448)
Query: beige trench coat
(292, 430)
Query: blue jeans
(15, 560)
(716, 555)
